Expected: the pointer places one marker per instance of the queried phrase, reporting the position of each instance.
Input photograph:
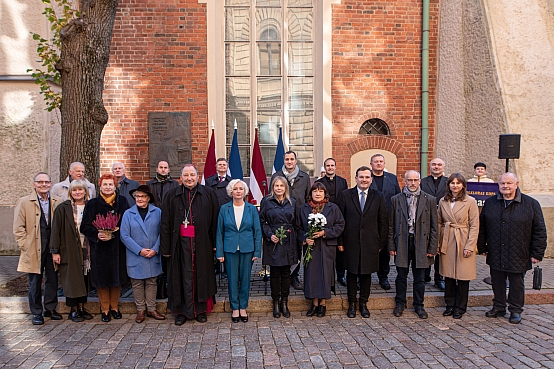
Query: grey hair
(72, 165)
(410, 171)
(508, 174)
(120, 163)
(233, 183)
(39, 173)
(187, 166)
(78, 184)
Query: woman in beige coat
(458, 231)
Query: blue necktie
(362, 200)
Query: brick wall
(157, 63)
(377, 74)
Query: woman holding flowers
(101, 222)
(278, 226)
(320, 223)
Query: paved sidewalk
(382, 341)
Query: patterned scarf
(161, 178)
(317, 206)
(412, 206)
(86, 245)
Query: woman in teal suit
(238, 244)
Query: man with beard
(162, 183)
(187, 239)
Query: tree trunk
(85, 53)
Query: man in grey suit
(386, 184)
(435, 185)
(413, 229)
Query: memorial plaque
(169, 140)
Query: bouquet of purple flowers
(107, 224)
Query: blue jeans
(238, 266)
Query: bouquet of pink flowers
(107, 224)
(316, 222)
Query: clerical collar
(330, 177)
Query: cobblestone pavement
(382, 341)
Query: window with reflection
(269, 77)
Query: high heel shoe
(235, 319)
(244, 318)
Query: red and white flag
(209, 167)
(258, 179)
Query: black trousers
(296, 270)
(279, 281)
(437, 276)
(339, 266)
(402, 279)
(384, 264)
(352, 287)
(516, 294)
(50, 285)
(456, 294)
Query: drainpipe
(425, 90)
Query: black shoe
(351, 312)
(180, 319)
(385, 284)
(427, 279)
(495, 313)
(202, 318)
(244, 318)
(398, 310)
(235, 319)
(85, 314)
(439, 284)
(76, 316)
(276, 312)
(106, 317)
(296, 284)
(312, 311)
(116, 314)
(38, 319)
(321, 311)
(515, 318)
(449, 311)
(457, 315)
(284, 307)
(421, 313)
(487, 280)
(342, 281)
(364, 312)
(52, 314)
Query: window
(374, 126)
(269, 77)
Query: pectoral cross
(186, 223)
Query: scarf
(290, 176)
(109, 199)
(161, 178)
(85, 246)
(412, 206)
(317, 206)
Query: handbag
(537, 278)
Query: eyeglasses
(43, 182)
(141, 196)
(412, 180)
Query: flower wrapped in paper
(316, 223)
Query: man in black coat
(512, 234)
(187, 239)
(162, 183)
(365, 234)
(219, 181)
(335, 185)
(299, 185)
(124, 184)
(435, 185)
(387, 184)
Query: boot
(285, 307)
(276, 313)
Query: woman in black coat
(70, 249)
(107, 253)
(319, 273)
(277, 218)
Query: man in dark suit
(387, 184)
(219, 181)
(435, 185)
(365, 234)
(335, 185)
(413, 229)
(299, 184)
(161, 184)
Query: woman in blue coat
(238, 244)
(140, 233)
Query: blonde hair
(78, 184)
(284, 181)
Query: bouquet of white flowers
(316, 222)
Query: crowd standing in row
(141, 231)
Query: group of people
(325, 227)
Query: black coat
(365, 233)
(160, 190)
(205, 210)
(300, 189)
(220, 188)
(512, 235)
(108, 265)
(390, 187)
(340, 185)
(274, 215)
(319, 274)
(125, 186)
(65, 241)
(428, 187)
